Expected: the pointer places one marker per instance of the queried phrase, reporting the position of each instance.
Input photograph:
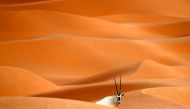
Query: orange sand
(64, 53)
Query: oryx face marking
(119, 98)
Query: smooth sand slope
(160, 24)
(29, 24)
(179, 95)
(20, 82)
(97, 89)
(156, 98)
(99, 8)
(18, 1)
(140, 18)
(45, 103)
(125, 56)
(57, 54)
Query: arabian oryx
(112, 101)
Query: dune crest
(20, 82)
(107, 7)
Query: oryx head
(118, 94)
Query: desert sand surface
(64, 54)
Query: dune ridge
(97, 89)
(107, 7)
(41, 64)
(20, 82)
(60, 23)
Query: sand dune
(20, 82)
(31, 55)
(45, 103)
(171, 29)
(177, 45)
(97, 89)
(107, 7)
(58, 54)
(179, 95)
(62, 23)
(160, 24)
(139, 18)
(18, 1)
(143, 99)
(152, 70)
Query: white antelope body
(112, 101)
(108, 101)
